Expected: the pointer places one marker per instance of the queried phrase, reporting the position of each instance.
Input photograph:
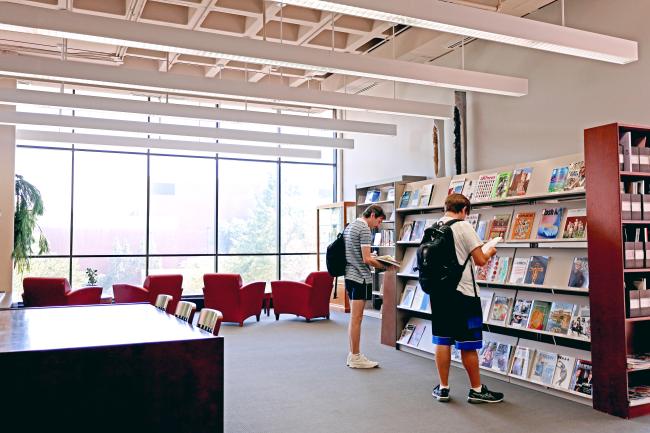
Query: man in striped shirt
(358, 280)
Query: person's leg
(354, 327)
(443, 362)
(470, 362)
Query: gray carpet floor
(290, 376)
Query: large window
(132, 212)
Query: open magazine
(390, 260)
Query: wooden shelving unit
(614, 336)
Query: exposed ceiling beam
(14, 17)
(160, 82)
(66, 100)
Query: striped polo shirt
(356, 235)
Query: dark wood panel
(389, 309)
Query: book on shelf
(582, 374)
(407, 295)
(626, 144)
(417, 334)
(469, 189)
(536, 271)
(484, 186)
(501, 185)
(519, 270)
(499, 309)
(579, 273)
(522, 226)
(539, 315)
(415, 198)
(456, 186)
(559, 318)
(418, 297)
(502, 269)
(407, 229)
(491, 268)
(499, 226)
(389, 260)
(372, 195)
(543, 369)
(486, 302)
(576, 176)
(520, 313)
(472, 219)
(563, 371)
(558, 179)
(418, 230)
(405, 199)
(502, 358)
(376, 239)
(580, 323)
(425, 195)
(520, 180)
(521, 362)
(487, 353)
(575, 226)
(406, 333)
(390, 194)
(481, 229)
(425, 302)
(550, 223)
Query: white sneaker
(347, 361)
(360, 361)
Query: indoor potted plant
(29, 206)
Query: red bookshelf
(613, 334)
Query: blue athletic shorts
(457, 320)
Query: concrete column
(7, 174)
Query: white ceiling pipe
(31, 97)
(40, 68)
(470, 21)
(150, 143)
(22, 118)
(104, 30)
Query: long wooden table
(118, 368)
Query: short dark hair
(375, 210)
(456, 203)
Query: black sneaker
(485, 396)
(440, 394)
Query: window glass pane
(110, 203)
(251, 268)
(247, 207)
(304, 187)
(183, 201)
(50, 171)
(296, 268)
(40, 267)
(110, 270)
(192, 269)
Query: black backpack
(335, 259)
(437, 261)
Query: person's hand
(492, 251)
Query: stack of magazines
(638, 361)
(639, 394)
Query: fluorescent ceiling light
(90, 28)
(41, 68)
(482, 24)
(21, 118)
(150, 143)
(30, 97)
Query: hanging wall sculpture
(457, 141)
(436, 154)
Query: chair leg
(277, 316)
(258, 317)
(307, 319)
(327, 317)
(241, 323)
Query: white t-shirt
(466, 241)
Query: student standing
(457, 317)
(358, 279)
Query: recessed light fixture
(464, 20)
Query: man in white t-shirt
(459, 319)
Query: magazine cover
(501, 185)
(579, 273)
(559, 318)
(417, 334)
(539, 315)
(519, 270)
(418, 230)
(484, 186)
(499, 226)
(550, 223)
(486, 302)
(405, 200)
(581, 323)
(544, 367)
(373, 195)
(520, 180)
(407, 295)
(417, 298)
(469, 189)
(522, 227)
(481, 228)
(472, 219)
(582, 374)
(493, 266)
(456, 187)
(536, 271)
(487, 353)
(502, 270)
(425, 195)
(558, 179)
(563, 371)
(482, 271)
(390, 194)
(575, 226)
(521, 362)
(502, 358)
(406, 334)
(499, 310)
(576, 176)
(415, 198)
(520, 313)
(406, 232)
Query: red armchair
(309, 299)
(154, 285)
(50, 292)
(226, 293)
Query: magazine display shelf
(379, 280)
(614, 335)
(560, 250)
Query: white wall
(7, 163)
(566, 95)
